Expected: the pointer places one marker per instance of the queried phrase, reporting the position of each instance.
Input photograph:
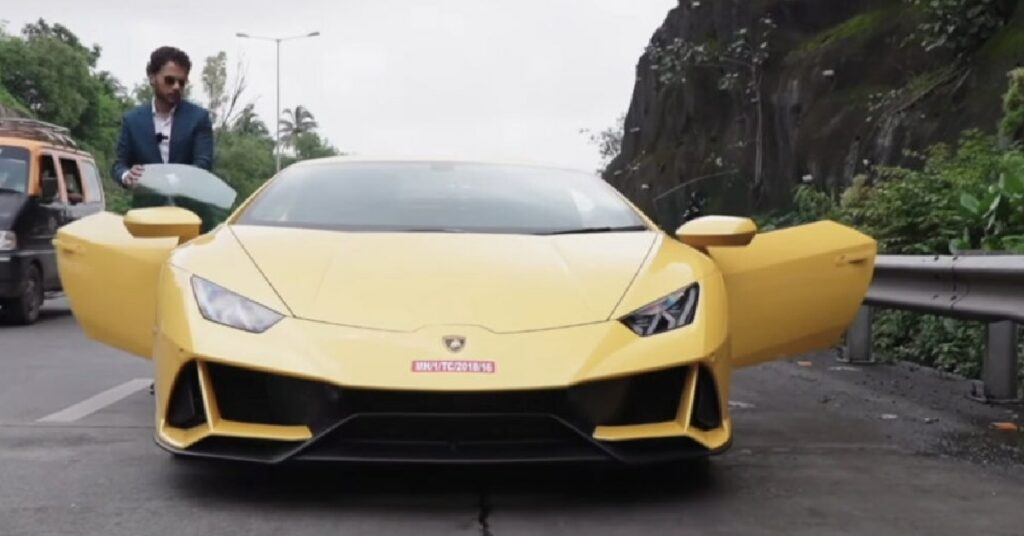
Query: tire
(25, 309)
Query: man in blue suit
(167, 130)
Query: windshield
(188, 187)
(440, 196)
(14, 169)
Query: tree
(608, 141)
(222, 100)
(249, 124)
(244, 161)
(296, 123)
(309, 145)
(740, 62)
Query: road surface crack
(484, 513)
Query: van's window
(48, 179)
(72, 181)
(91, 177)
(14, 168)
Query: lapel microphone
(160, 137)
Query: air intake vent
(186, 406)
(707, 414)
(642, 399)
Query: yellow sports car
(446, 311)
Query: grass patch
(861, 26)
(8, 101)
(1009, 42)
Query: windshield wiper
(9, 190)
(591, 230)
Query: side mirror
(708, 231)
(48, 185)
(163, 222)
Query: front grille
(479, 438)
(494, 426)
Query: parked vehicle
(46, 182)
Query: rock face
(845, 88)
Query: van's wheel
(25, 308)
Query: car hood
(409, 281)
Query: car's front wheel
(25, 308)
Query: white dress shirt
(162, 125)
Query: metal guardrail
(984, 288)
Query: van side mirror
(709, 231)
(163, 222)
(48, 185)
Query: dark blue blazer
(191, 139)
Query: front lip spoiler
(663, 450)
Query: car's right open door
(795, 290)
(110, 278)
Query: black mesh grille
(642, 399)
(256, 397)
(483, 438)
(185, 409)
(707, 414)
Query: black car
(45, 182)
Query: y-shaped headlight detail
(673, 311)
(220, 305)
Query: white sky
(476, 78)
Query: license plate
(455, 367)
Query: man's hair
(163, 55)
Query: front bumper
(12, 269)
(226, 412)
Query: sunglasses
(172, 80)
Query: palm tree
(296, 123)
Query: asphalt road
(821, 448)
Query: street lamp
(277, 120)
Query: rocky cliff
(845, 86)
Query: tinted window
(72, 181)
(48, 179)
(423, 196)
(14, 168)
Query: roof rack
(37, 130)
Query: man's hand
(132, 176)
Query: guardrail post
(858, 338)
(999, 370)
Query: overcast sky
(478, 78)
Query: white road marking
(740, 405)
(98, 402)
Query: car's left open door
(110, 279)
(794, 290)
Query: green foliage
(245, 162)
(995, 215)
(946, 344)
(970, 196)
(960, 25)
(863, 25)
(1012, 125)
(608, 141)
(309, 145)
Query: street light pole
(277, 119)
(277, 122)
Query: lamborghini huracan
(403, 310)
